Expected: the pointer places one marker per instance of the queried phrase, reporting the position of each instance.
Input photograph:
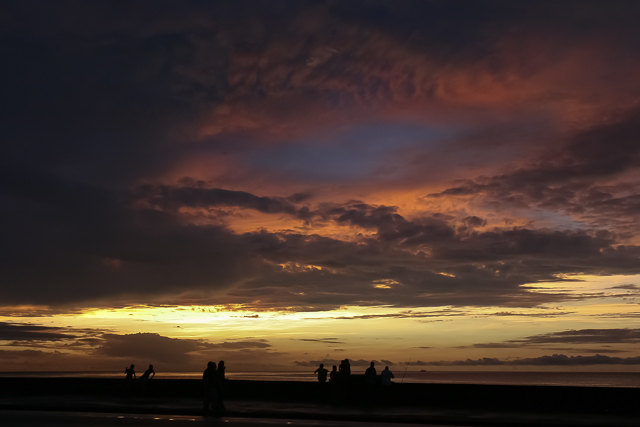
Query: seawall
(597, 400)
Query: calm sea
(581, 379)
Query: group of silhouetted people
(214, 382)
(370, 375)
(336, 375)
(371, 378)
(339, 378)
(131, 374)
(213, 379)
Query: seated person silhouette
(322, 374)
(334, 376)
(385, 376)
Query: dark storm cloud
(240, 345)
(629, 287)
(72, 242)
(390, 225)
(106, 96)
(93, 342)
(360, 363)
(568, 179)
(632, 315)
(94, 97)
(105, 239)
(582, 336)
(553, 360)
(409, 314)
(26, 332)
(112, 350)
(98, 99)
(21, 355)
(563, 360)
(588, 350)
(526, 242)
(171, 197)
(493, 345)
(155, 347)
(550, 314)
(436, 234)
(108, 92)
(322, 340)
(585, 336)
(348, 271)
(379, 54)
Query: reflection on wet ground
(54, 411)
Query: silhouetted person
(148, 374)
(345, 375)
(211, 382)
(322, 374)
(334, 376)
(220, 372)
(385, 376)
(385, 381)
(345, 368)
(370, 375)
(131, 373)
(370, 380)
(334, 380)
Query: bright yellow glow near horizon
(378, 332)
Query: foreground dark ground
(71, 419)
(444, 404)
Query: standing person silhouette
(370, 383)
(211, 383)
(322, 374)
(131, 373)
(220, 372)
(385, 381)
(334, 381)
(345, 368)
(345, 376)
(370, 375)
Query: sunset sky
(453, 184)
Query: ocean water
(579, 379)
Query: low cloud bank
(553, 360)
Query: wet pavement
(305, 413)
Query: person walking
(148, 374)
